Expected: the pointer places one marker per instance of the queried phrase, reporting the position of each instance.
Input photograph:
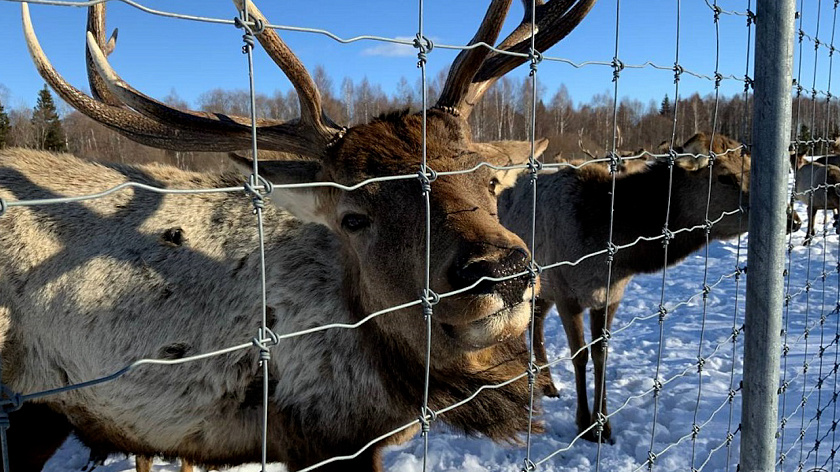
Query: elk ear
(305, 203)
(514, 153)
(518, 152)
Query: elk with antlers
(88, 287)
(573, 220)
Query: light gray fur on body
(107, 291)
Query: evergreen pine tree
(48, 131)
(804, 133)
(665, 107)
(5, 126)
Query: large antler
(476, 69)
(148, 121)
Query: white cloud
(391, 49)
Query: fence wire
(812, 305)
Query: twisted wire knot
(248, 37)
(678, 71)
(427, 417)
(535, 57)
(427, 179)
(618, 66)
(667, 236)
(534, 167)
(257, 198)
(695, 430)
(611, 250)
(615, 162)
(428, 300)
(534, 271)
(529, 466)
(672, 156)
(424, 46)
(265, 349)
(533, 371)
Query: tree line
(574, 131)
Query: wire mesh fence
(673, 362)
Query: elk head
(381, 225)
(730, 178)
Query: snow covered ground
(633, 362)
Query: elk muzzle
(496, 310)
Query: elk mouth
(496, 327)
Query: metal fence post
(765, 255)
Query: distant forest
(504, 113)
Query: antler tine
(469, 61)
(161, 126)
(583, 149)
(134, 126)
(311, 109)
(295, 137)
(96, 25)
(553, 21)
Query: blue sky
(160, 55)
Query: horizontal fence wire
(798, 345)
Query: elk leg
(571, 314)
(186, 466)
(540, 312)
(35, 433)
(143, 463)
(598, 322)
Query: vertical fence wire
(809, 145)
(739, 269)
(668, 235)
(258, 202)
(534, 166)
(701, 361)
(426, 178)
(823, 276)
(600, 400)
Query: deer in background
(573, 220)
(88, 287)
(817, 186)
(637, 163)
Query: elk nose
(493, 262)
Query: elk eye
(494, 182)
(353, 222)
